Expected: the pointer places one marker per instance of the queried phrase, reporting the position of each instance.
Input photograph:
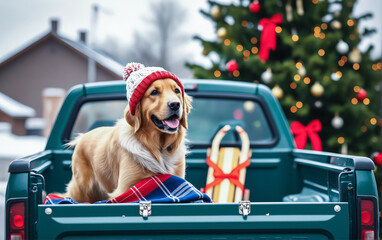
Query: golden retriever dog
(107, 161)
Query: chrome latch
(244, 208)
(145, 208)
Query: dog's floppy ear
(136, 120)
(186, 110)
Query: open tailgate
(194, 221)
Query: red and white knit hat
(138, 78)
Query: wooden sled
(227, 168)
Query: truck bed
(294, 194)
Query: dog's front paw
(115, 194)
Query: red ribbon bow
(233, 176)
(268, 36)
(301, 133)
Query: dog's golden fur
(109, 160)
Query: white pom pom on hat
(131, 67)
(138, 78)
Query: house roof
(13, 108)
(81, 48)
(100, 58)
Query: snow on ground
(12, 146)
(2, 208)
(3, 186)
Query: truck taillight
(368, 218)
(17, 216)
(16, 220)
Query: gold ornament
(317, 89)
(355, 56)
(336, 25)
(278, 92)
(205, 52)
(222, 33)
(215, 12)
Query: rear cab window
(208, 115)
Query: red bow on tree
(268, 36)
(301, 133)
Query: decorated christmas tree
(306, 52)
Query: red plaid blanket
(163, 188)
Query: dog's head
(162, 108)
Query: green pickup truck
(294, 194)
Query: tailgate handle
(244, 208)
(145, 208)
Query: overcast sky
(22, 21)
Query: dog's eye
(177, 91)
(154, 93)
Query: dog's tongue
(173, 123)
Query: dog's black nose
(174, 105)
